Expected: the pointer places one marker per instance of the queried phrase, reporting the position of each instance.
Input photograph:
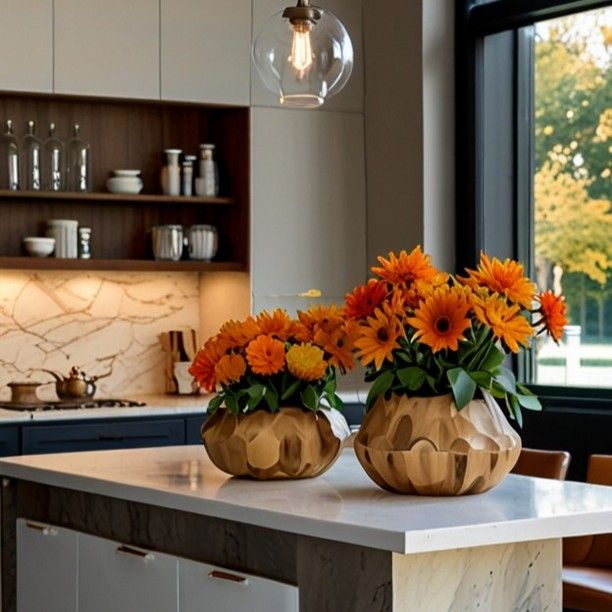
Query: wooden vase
(290, 443)
(425, 446)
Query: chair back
(542, 463)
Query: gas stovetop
(76, 404)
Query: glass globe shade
(304, 64)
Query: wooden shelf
(144, 198)
(135, 265)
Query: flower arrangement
(274, 360)
(424, 332)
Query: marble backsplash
(101, 322)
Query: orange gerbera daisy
(203, 366)
(321, 317)
(505, 277)
(339, 345)
(505, 320)
(553, 310)
(362, 301)
(266, 355)
(239, 333)
(441, 319)
(278, 324)
(406, 268)
(379, 337)
(230, 368)
(306, 362)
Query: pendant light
(304, 55)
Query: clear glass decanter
(31, 159)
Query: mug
(203, 242)
(167, 241)
(65, 232)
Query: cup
(167, 242)
(65, 232)
(203, 242)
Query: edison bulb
(301, 48)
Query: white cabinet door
(124, 578)
(26, 45)
(350, 13)
(46, 567)
(205, 587)
(308, 225)
(107, 48)
(206, 51)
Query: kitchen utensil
(203, 242)
(24, 392)
(167, 242)
(65, 232)
(124, 184)
(77, 385)
(39, 247)
(179, 347)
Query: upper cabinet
(108, 48)
(205, 51)
(26, 45)
(350, 13)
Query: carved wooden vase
(290, 443)
(425, 446)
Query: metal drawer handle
(128, 550)
(45, 529)
(227, 576)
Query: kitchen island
(338, 541)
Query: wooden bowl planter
(425, 446)
(290, 443)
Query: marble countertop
(342, 505)
(156, 405)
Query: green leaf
(310, 397)
(482, 379)
(516, 408)
(412, 377)
(232, 404)
(271, 398)
(330, 386)
(462, 385)
(531, 402)
(256, 390)
(381, 385)
(524, 390)
(290, 390)
(506, 380)
(493, 360)
(215, 403)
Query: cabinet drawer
(215, 589)
(193, 425)
(121, 578)
(9, 441)
(101, 436)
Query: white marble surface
(342, 505)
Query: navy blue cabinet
(9, 441)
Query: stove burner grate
(85, 404)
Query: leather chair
(542, 463)
(587, 560)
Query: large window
(534, 151)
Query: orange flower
(553, 311)
(230, 368)
(278, 324)
(203, 366)
(406, 268)
(378, 337)
(505, 320)
(326, 318)
(339, 344)
(362, 301)
(441, 319)
(266, 355)
(239, 333)
(306, 362)
(506, 278)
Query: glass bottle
(78, 156)
(54, 162)
(31, 159)
(9, 159)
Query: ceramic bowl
(126, 172)
(124, 184)
(39, 247)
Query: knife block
(179, 348)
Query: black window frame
(474, 21)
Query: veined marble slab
(343, 505)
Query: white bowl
(39, 247)
(126, 172)
(124, 184)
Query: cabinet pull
(227, 576)
(128, 550)
(45, 529)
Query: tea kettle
(77, 385)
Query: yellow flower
(306, 362)
(378, 337)
(406, 268)
(441, 319)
